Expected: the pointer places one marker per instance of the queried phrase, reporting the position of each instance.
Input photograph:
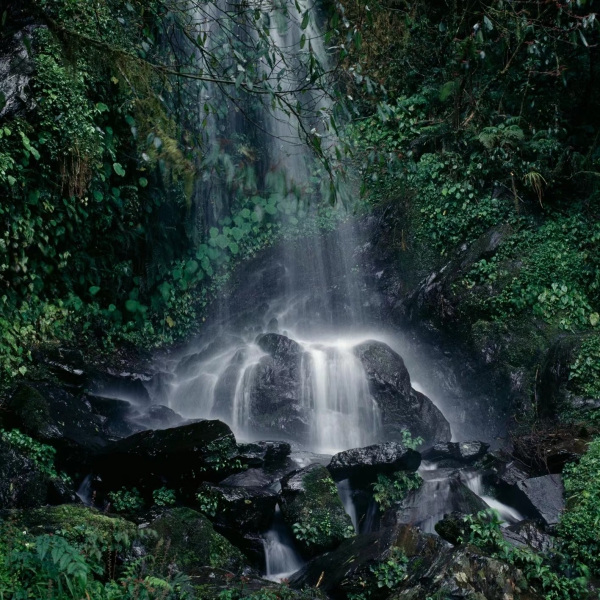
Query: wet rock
(275, 397)
(452, 528)
(455, 454)
(178, 458)
(465, 572)
(241, 508)
(66, 364)
(16, 69)
(362, 465)
(241, 514)
(401, 406)
(119, 416)
(310, 500)
(53, 415)
(194, 544)
(543, 498)
(438, 495)
(348, 569)
(188, 365)
(528, 533)
(264, 453)
(159, 417)
(22, 484)
(257, 478)
(121, 384)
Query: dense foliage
(492, 120)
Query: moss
(193, 543)
(76, 523)
(316, 513)
(28, 409)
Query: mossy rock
(28, 411)
(194, 544)
(75, 522)
(312, 507)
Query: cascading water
(281, 558)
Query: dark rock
(528, 533)
(438, 495)
(159, 417)
(452, 528)
(309, 497)
(193, 543)
(543, 498)
(53, 415)
(22, 484)
(257, 478)
(465, 572)
(16, 69)
(347, 570)
(242, 509)
(264, 453)
(119, 416)
(241, 515)
(66, 364)
(177, 458)
(401, 406)
(362, 465)
(275, 396)
(122, 385)
(455, 454)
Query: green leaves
(119, 170)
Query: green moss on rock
(312, 507)
(193, 543)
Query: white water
(281, 558)
(507, 513)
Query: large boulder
(401, 406)
(543, 498)
(194, 544)
(312, 507)
(275, 388)
(528, 533)
(362, 465)
(349, 569)
(178, 458)
(24, 483)
(55, 416)
(241, 514)
(455, 454)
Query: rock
(528, 533)
(310, 500)
(159, 417)
(454, 454)
(16, 69)
(66, 364)
(53, 415)
(22, 484)
(438, 495)
(241, 509)
(118, 414)
(77, 520)
(543, 498)
(257, 478)
(194, 544)
(122, 385)
(264, 453)
(465, 572)
(275, 396)
(401, 406)
(362, 465)
(348, 569)
(241, 514)
(452, 528)
(178, 458)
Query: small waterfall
(345, 492)
(281, 558)
(474, 481)
(335, 388)
(84, 493)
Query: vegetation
(554, 577)
(389, 490)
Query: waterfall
(281, 558)
(508, 514)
